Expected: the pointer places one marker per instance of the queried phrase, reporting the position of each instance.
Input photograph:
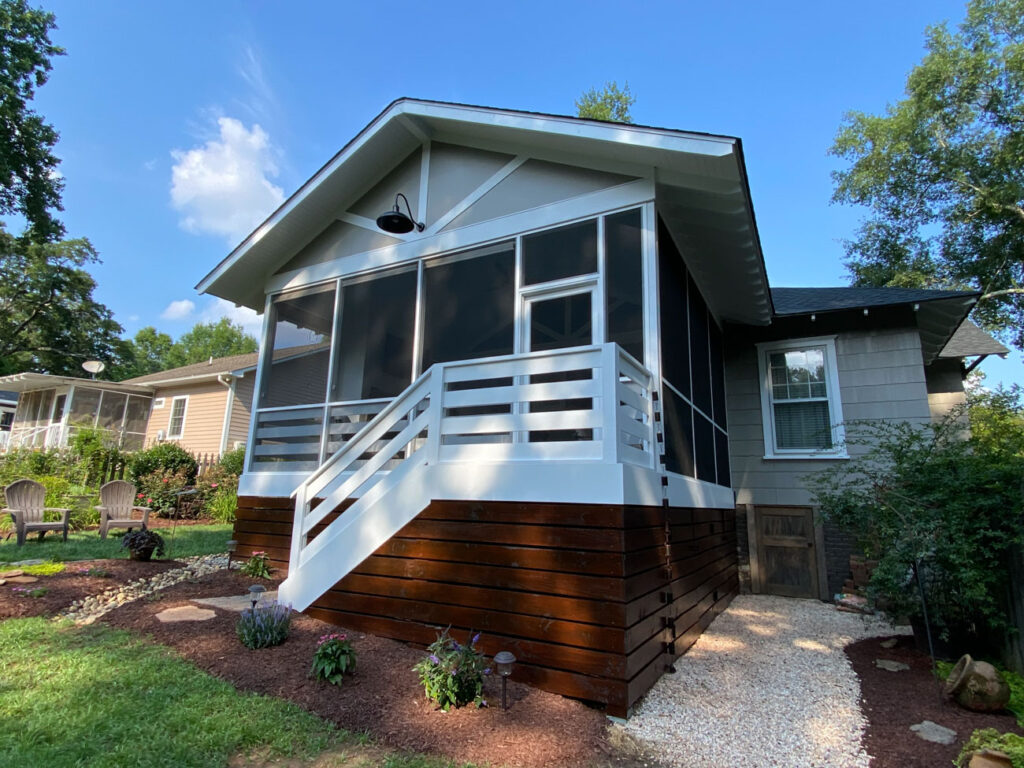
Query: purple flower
(434, 659)
(476, 639)
(487, 671)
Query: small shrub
(334, 658)
(143, 539)
(96, 451)
(29, 591)
(452, 674)
(990, 738)
(161, 489)
(42, 569)
(233, 462)
(257, 566)
(264, 626)
(218, 494)
(168, 458)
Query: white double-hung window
(176, 424)
(800, 406)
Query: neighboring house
(8, 404)
(531, 408)
(203, 407)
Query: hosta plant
(453, 674)
(334, 658)
(264, 626)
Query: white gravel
(86, 611)
(767, 684)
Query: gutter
(228, 381)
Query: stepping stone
(2, 582)
(37, 561)
(23, 580)
(11, 574)
(938, 734)
(890, 643)
(237, 603)
(891, 666)
(185, 613)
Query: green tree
(941, 169)
(610, 103)
(206, 340)
(147, 352)
(49, 321)
(29, 182)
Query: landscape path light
(255, 591)
(504, 661)
(232, 546)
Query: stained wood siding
(204, 416)
(596, 602)
(881, 376)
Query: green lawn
(87, 545)
(101, 697)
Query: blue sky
(182, 123)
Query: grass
(110, 699)
(87, 545)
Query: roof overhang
(700, 179)
(26, 382)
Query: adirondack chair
(117, 505)
(25, 499)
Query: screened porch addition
(49, 418)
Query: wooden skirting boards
(595, 601)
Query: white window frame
(170, 418)
(835, 405)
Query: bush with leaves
(989, 738)
(163, 457)
(96, 451)
(453, 674)
(257, 566)
(264, 626)
(162, 488)
(233, 462)
(928, 501)
(334, 658)
(217, 494)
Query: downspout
(229, 382)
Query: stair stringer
(354, 536)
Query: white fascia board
(22, 382)
(632, 193)
(651, 138)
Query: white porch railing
(585, 404)
(43, 436)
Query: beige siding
(241, 410)
(204, 415)
(881, 376)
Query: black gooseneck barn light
(396, 222)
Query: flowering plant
(453, 674)
(334, 658)
(264, 625)
(29, 592)
(160, 491)
(257, 566)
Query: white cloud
(179, 310)
(243, 316)
(224, 187)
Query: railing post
(433, 446)
(609, 372)
(298, 523)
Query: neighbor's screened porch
(49, 418)
(335, 354)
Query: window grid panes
(799, 395)
(177, 422)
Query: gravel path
(767, 684)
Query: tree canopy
(942, 170)
(609, 103)
(49, 321)
(29, 182)
(151, 351)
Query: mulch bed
(893, 701)
(72, 584)
(383, 697)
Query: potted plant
(141, 544)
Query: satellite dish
(94, 367)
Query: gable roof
(939, 313)
(218, 366)
(700, 180)
(970, 340)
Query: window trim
(833, 393)
(170, 417)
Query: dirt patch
(383, 697)
(75, 583)
(894, 701)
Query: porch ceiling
(701, 182)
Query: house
(8, 404)
(514, 378)
(203, 407)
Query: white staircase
(586, 405)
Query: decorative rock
(890, 643)
(11, 574)
(977, 685)
(185, 613)
(891, 666)
(235, 602)
(23, 579)
(2, 582)
(938, 734)
(990, 758)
